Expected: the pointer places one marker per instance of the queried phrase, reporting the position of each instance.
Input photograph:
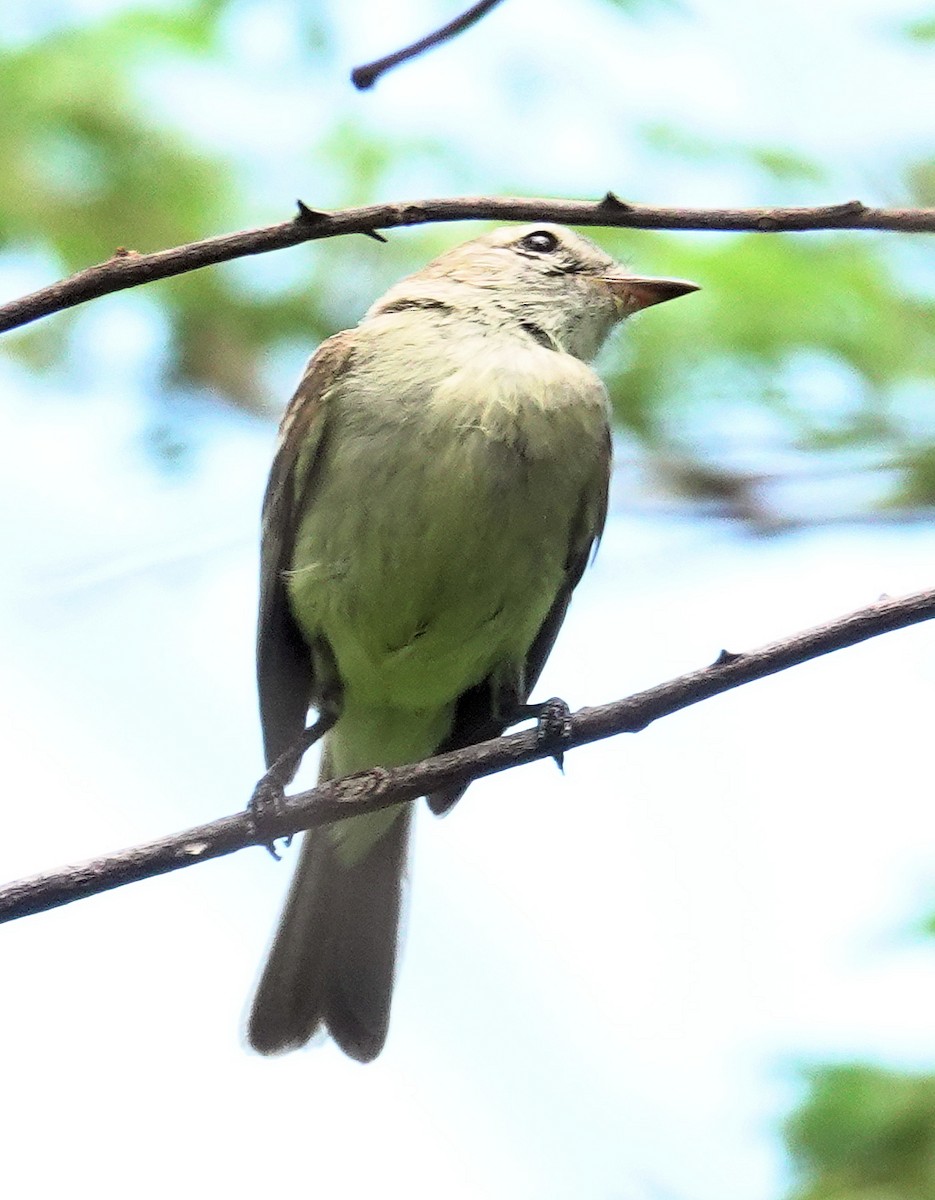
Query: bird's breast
(439, 526)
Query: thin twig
(129, 269)
(369, 791)
(366, 76)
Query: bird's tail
(333, 958)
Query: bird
(439, 485)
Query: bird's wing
(476, 719)
(285, 674)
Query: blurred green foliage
(88, 169)
(769, 304)
(864, 1133)
(89, 166)
(922, 29)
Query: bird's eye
(540, 242)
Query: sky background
(609, 978)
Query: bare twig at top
(127, 268)
(366, 76)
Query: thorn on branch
(850, 208)
(611, 200)
(310, 216)
(827, 216)
(725, 658)
(315, 216)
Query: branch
(366, 76)
(129, 269)
(369, 791)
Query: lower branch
(369, 791)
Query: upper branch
(129, 269)
(369, 791)
(366, 76)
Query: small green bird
(440, 482)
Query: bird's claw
(553, 725)
(553, 728)
(266, 805)
(268, 802)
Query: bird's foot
(553, 725)
(268, 802)
(267, 805)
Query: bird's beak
(633, 292)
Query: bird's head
(548, 279)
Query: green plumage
(442, 525)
